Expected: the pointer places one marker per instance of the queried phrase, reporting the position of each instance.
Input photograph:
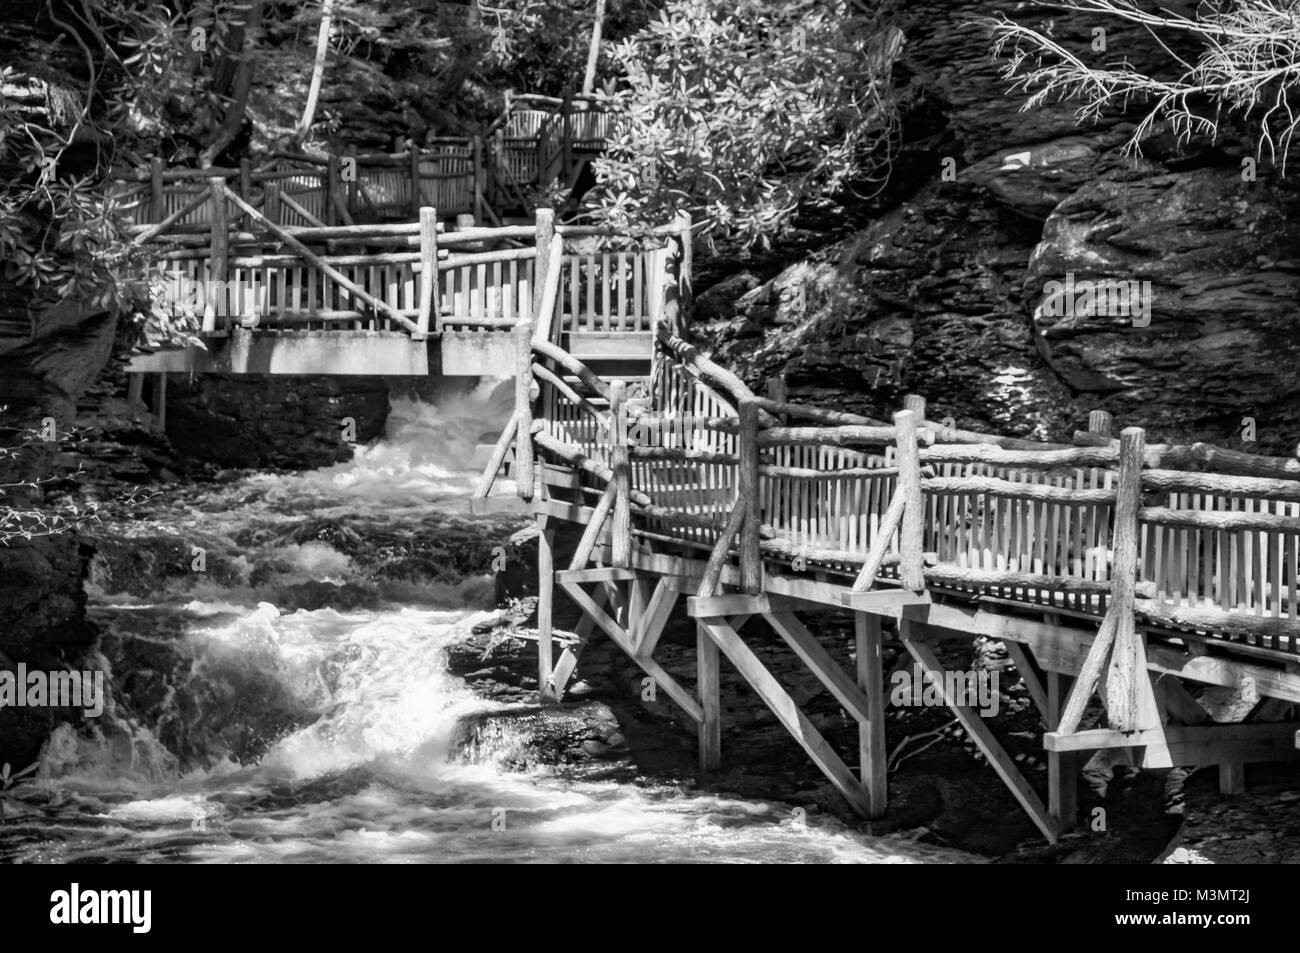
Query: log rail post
(524, 467)
(430, 312)
(620, 462)
(911, 529)
(1128, 656)
(219, 232)
(751, 559)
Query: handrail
(338, 277)
(688, 354)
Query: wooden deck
(1116, 572)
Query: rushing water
(346, 702)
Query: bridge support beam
(546, 688)
(160, 399)
(873, 757)
(1062, 766)
(980, 733)
(708, 685)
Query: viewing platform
(402, 299)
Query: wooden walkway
(1118, 573)
(537, 142)
(373, 299)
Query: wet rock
(939, 292)
(268, 421)
(148, 566)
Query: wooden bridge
(382, 298)
(1117, 573)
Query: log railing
(249, 270)
(1049, 526)
(314, 190)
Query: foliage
(742, 113)
(540, 46)
(1246, 65)
(59, 233)
(26, 522)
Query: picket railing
(317, 190)
(246, 269)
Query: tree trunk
(318, 69)
(243, 82)
(593, 54)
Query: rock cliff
(947, 293)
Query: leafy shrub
(742, 112)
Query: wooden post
(778, 391)
(246, 188)
(160, 399)
(524, 471)
(751, 560)
(708, 684)
(1099, 421)
(354, 188)
(545, 607)
(621, 542)
(157, 198)
(916, 404)
(541, 261)
(911, 529)
(417, 200)
(134, 388)
(567, 144)
(331, 189)
(500, 194)
(871, 736)
(271, 205)
(1127, 672)
(478, 178)
(430, 310)
(1062, 766)
(1232, 777)
(685, 262)
(219, 232)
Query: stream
(291, 701)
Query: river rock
(269, 421)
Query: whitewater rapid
(346, 703)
